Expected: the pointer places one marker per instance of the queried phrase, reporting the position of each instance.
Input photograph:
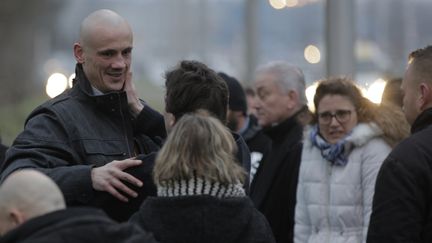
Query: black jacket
(69, 135)
(274, 187)
(207, 219)
(402, 204)
(76, 225)
(3, 149)
(258, 143)
(117, 209)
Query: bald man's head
(101, 20)
(26, 194)
(105, 50)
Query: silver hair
(287, 76)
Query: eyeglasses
(341, 116)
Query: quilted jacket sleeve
(43, 145)
(374, 155)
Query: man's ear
(292, 101)
(16, 217)
(169, 121)
(424, 96)
(78, 53)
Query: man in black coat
(32, 210)
(86, 137)
(190, 86)
(402, 204)
(244, 124)
(281, 107)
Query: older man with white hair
(282, 111)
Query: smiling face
(337, 116)
(105, 52)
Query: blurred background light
(70, 80)
(310, 93)
(278, 4)
(291, 3)
(375, 90)
(56, 84)
(312, 54)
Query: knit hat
(237, 97)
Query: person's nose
(257, 104)
(334, 122)
(119, 62)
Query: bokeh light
(375, 90)
(278, 4)
(56, 84)
(291, 3)
(312, 54)
(70, 80)
(310, 93)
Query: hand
(134, 102)
(108, 178)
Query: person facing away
(342, 152)
(281, 106)
(246, 125)
(392, 92)
(200, 196)
(33, 210)
(86, 137)
(190, 86)
(402, 202)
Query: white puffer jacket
(334, 202)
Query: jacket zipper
(329, 173)
(124, 126)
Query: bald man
(37, 213)
(86, 137)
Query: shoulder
(363, 133)
(56, 103)
(376, 145)
(415, 150)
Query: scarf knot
(336, 153)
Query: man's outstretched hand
(109, 178)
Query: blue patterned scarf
(335, 153)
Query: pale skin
(37, 195)
(335, 130)
(417, 94)
(274, 105)
(105, 52)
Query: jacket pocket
(100, 152)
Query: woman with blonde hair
(342, 154)
(200, 188)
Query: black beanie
(237, 97)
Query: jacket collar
(109, 101)
(198, 185)
(422, 121)
(46, 221)
(252, 129)
(279, 131)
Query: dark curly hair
(190, 86)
